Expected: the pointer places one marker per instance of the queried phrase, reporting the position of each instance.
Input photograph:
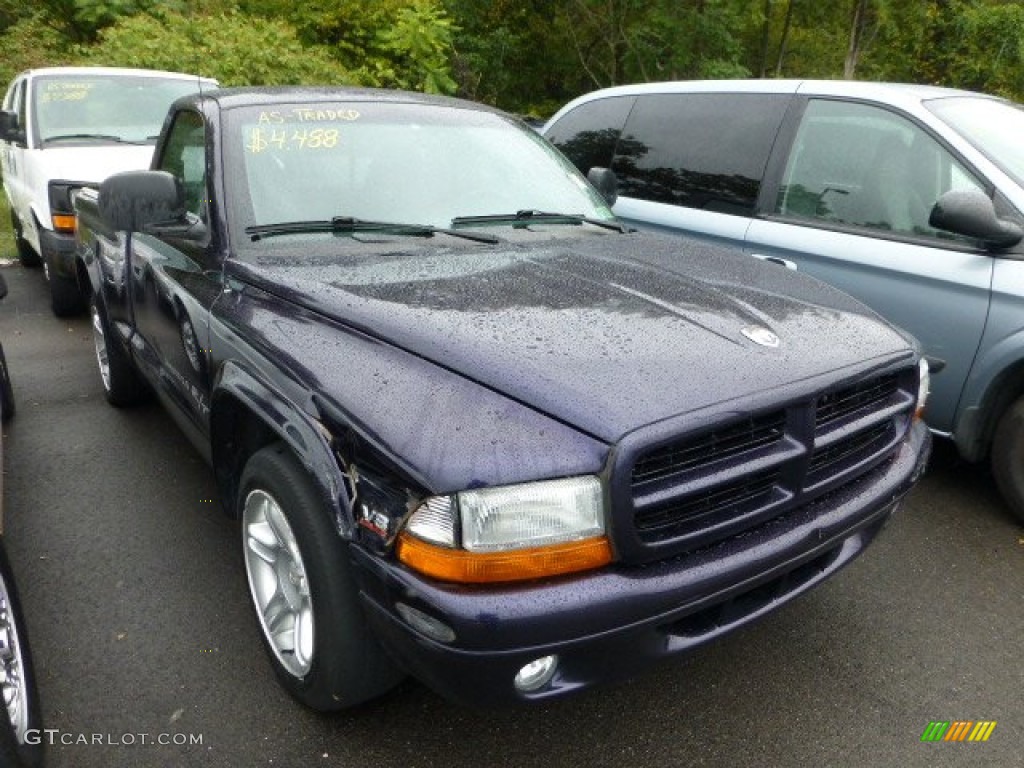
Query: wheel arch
(977, 424)
(247, 415)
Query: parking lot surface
(148, 653)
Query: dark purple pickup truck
(472, 427)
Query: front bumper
(612, 623)
(58, 252)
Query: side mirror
(134, 200)
(971, 213)
(9, 130)
(605, 182)
(3, 287)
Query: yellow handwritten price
(66, 91)
(64, 96)
(263, 139)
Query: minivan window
(704, 150)
(587, 135)
(858, 165)
(993, 127)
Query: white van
(63, 128)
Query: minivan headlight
(509, 533)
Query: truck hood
(607, 333)
(91, 164)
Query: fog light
(536, 674)
(428, 625)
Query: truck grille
(702, 488)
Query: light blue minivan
(910, 198)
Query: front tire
(66, 299)
(303, 589)
(26, 255)
(121, 384)
(1008, 457)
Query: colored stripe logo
(958, 730)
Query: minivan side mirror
(133, 201)
(605, 182)
(971, 213)
(9, 130)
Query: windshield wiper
(526, 217)
(98, 136)
(347, 224)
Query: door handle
(776, 260)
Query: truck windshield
(103, 108)
(417, 164)
(993, 126)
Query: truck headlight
(510, 533)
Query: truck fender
(246, 414)
(90, 238)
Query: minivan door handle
(776, 260)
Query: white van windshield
(103, 108)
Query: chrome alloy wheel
(99, 339)
(277, 582)
(12, 667)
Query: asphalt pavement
(148, 653)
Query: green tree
(387, 43)
(975, 44)
(234, 48)
(28, 43)
(531, 56)
(513, 53)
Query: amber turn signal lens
(511, 565)
(64, 222)
(924, 387)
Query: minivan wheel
(1008, 457)
(303, 589)
(21, 743)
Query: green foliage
(232, 47)
(512, 53)
(999, 67)
(81, 20)
(13, 11)
(532, 56)
(30, 43)
(974, 45)
(418, 45)
(96, 14)
(529, 56)
(387, 43)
